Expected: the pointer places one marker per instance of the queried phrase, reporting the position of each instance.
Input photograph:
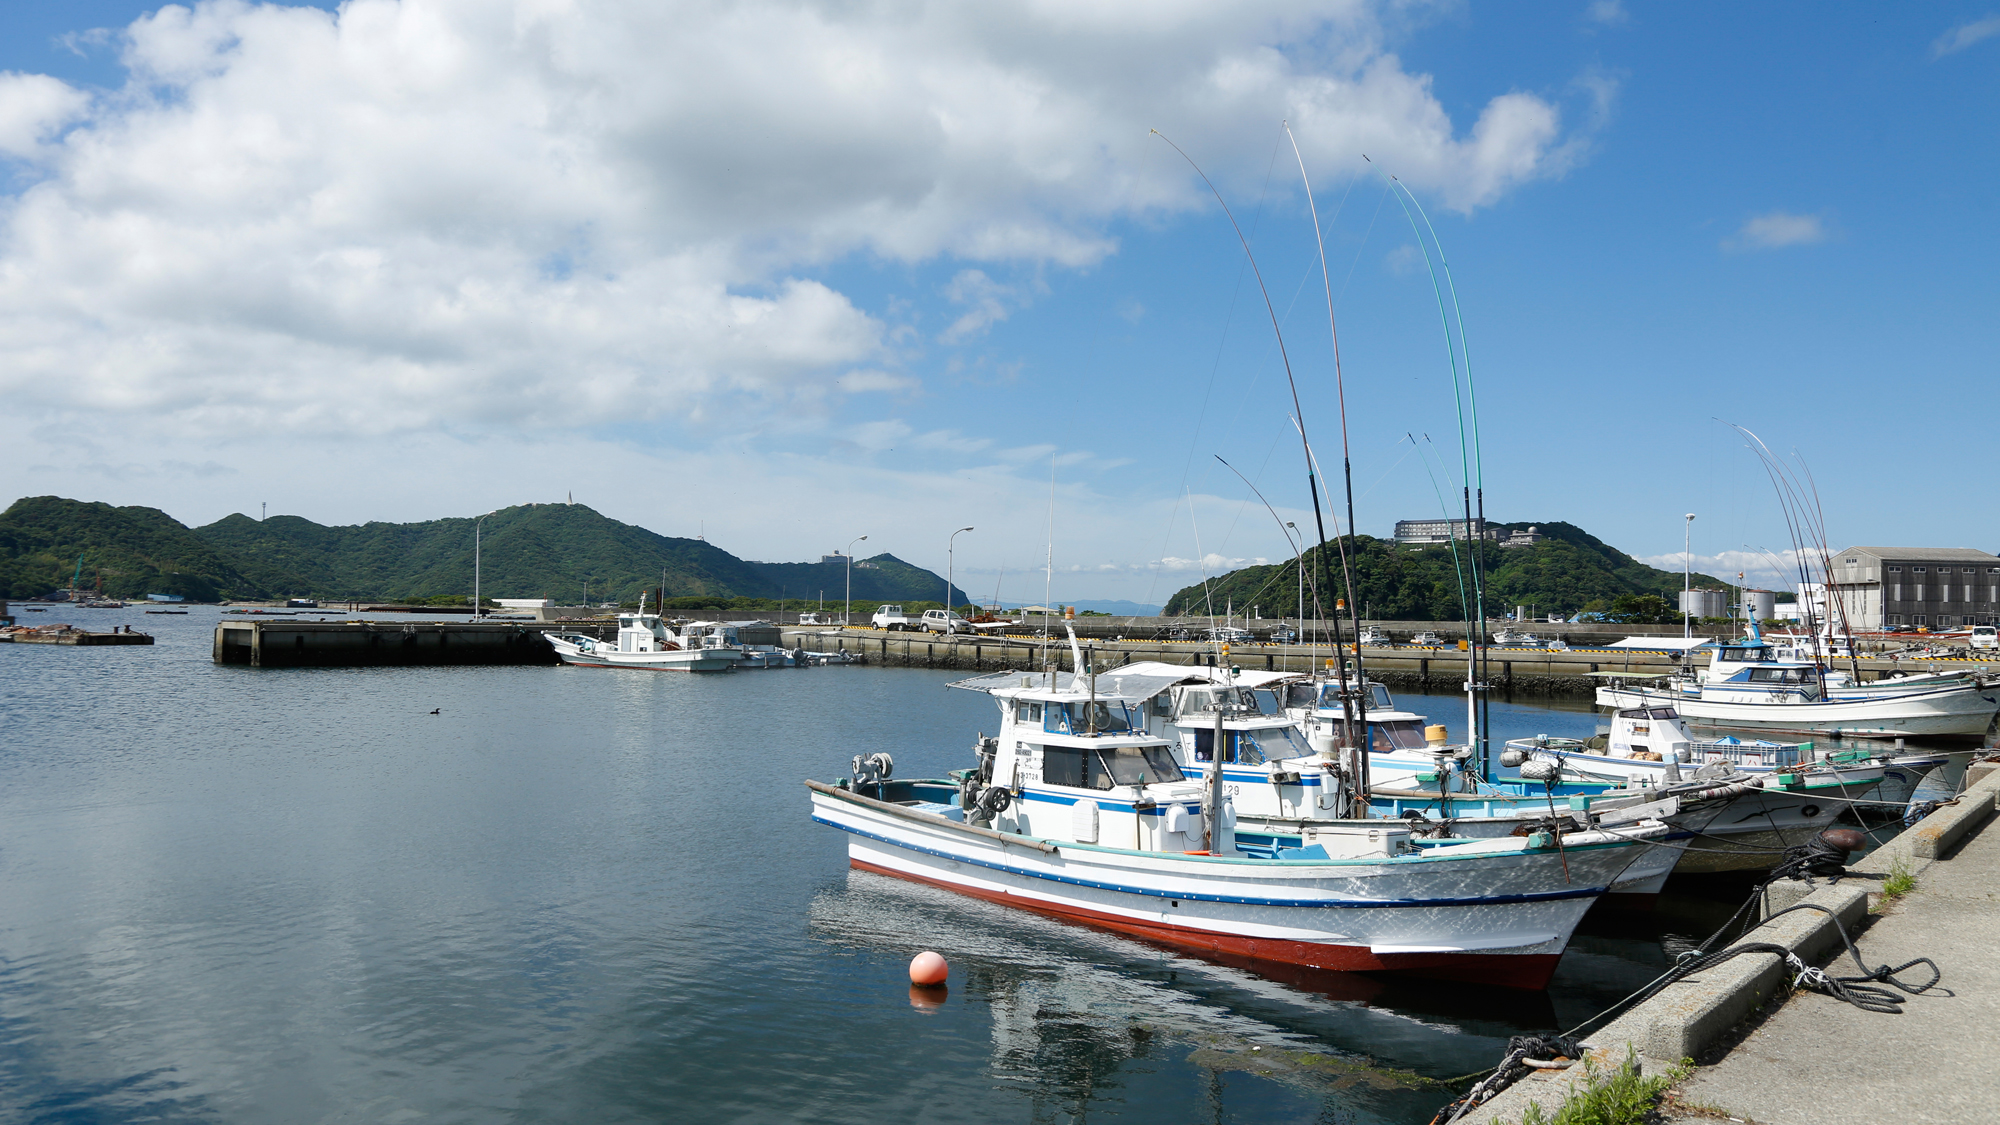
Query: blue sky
(787, 279)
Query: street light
(478, 526)
(949, 568)
(849, 607)
(1687, 579)
(1300, 549)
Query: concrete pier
(73, 637)
(1807, 1056)
(325, 644)
(1527, 672)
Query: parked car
(944, 621)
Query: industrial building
(1936, 588)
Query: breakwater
(1526, 672)
(324, 644)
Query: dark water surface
(238, 895)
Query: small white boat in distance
(645, 640)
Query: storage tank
(1704, 603)
(1761, 605)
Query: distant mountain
(130, 551)
(533, 550)
(1568, 571)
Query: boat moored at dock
(1075, 810)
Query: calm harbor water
(238, 895)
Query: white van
(1985, 636)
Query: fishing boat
(1075, 810)
(1748, 686)
(1427, 639)
(645, 640)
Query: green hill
(1570, 570)
(533, 550)
(131, 551)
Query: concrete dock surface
(1817, 1059)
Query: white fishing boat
(1074, 810)
(645, 640)
(1509, 638)
(1374, 637)
(1427, 639)
(1751, 685)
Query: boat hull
(1957, 712)
(672, 660)
(1496, 914)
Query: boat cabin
(646, 632)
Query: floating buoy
(928, 968)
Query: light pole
(478, 526)
(1302, 581)
(949, 567)
(1687, 579)
(849, 606)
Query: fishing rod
(1477, 663)
(1340, 669)
(1346, 459)
(1297, 547)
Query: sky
(787, 274)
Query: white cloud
(1965, 35)
(415, 213)
(1608, 13)
(1775, 571)
(1404, 260)
(32, 107)
(1777, 229)
(1212, 564)
(988, 301)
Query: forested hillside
(1569, 571)
(527, 551)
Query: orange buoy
(928, 968)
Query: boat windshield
(1397, 734)
(1075, 718)
(1777, 675)
(1094, 767)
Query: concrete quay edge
(1691, 1015)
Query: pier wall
(1524, 672)
(330, 644)
(1693, 1015)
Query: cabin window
(1640, 713)
(1237, 747)
(1664, 713)
(1110, 716)
(1379, 698)
(1265, 700)
(1776, 676)
(1163, 704)
(1401, 734)
(1063, 765)
(1025, 712)
(1299, 695)
(1080, 767)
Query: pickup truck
(892, 618)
